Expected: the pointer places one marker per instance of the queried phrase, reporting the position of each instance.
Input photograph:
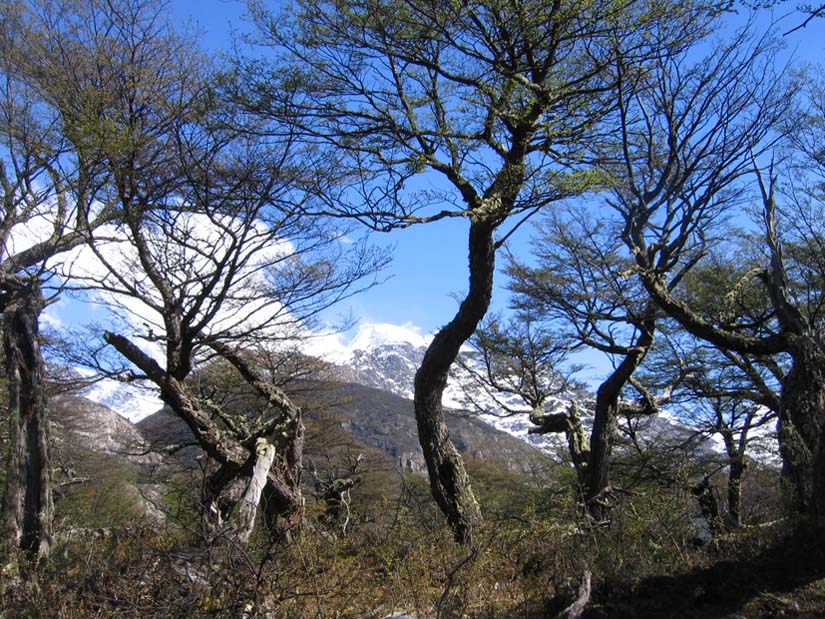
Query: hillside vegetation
(193, 224)
(129, 542)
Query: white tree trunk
(248, 507)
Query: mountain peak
(373, 335)
(341, 348)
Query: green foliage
(104, 496)
(504, 493)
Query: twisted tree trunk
(282, 500)
(604, 420)
(449, 482)
(27, 502)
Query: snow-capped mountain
(135, 402)
(386, 357)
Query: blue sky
(430, 261)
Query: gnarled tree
(497, 106)
(53, 190)
(216, 255)
(667, 197)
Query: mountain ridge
(386, 357)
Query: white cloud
(189, 266)
(377, 334)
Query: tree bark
(449, 482)
(27, 503)
(604, 421)
(218, 497)
(579, 605)
(601, 440)
(736, 470)
(801, 427)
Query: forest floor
(394, 556)
(411, 567)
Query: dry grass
(397, 555)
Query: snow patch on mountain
(387, 357)
(130, 400)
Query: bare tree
(215, 255)
(580, 286)
(667, 199)
(496, 105)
